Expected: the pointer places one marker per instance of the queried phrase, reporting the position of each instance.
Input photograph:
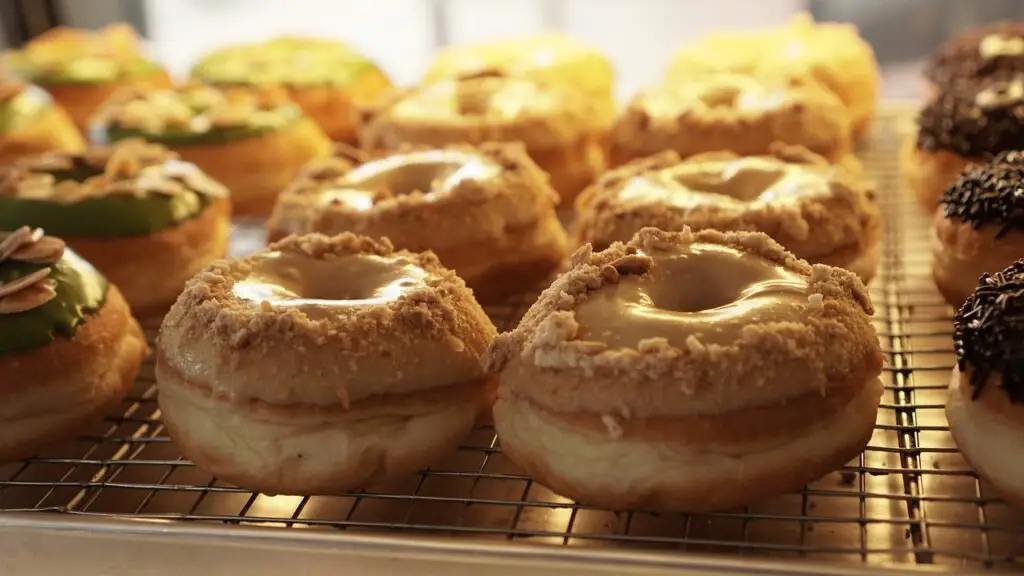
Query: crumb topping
(988, 330)
(989, 194)
(36, 288)
(196, 109)
(974, 120)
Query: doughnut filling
(688, 372)
(45, 291)
(192, 114)
(986, 400)
(74, 56)
(744, 114)
(814, 209)
(994, 52)
(487, 212)
(129, 189)
(322, 364)
(562, 129)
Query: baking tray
(909, 502)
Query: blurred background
(638, 35)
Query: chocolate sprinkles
(989, 195)
(988, 331)
(954, 121)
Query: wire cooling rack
(909, 499)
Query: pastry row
(253, 114)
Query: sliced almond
(46, 250)
(31, 297)
(14, 241)
(18, 284)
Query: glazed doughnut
(252, 140)
(543, 57)
(731, 112)
(31, 123)
(327, 79)
(322, 364)
(563, 130)
(831, 54)
(148, 221)
(69, 347)
(82, 68)
(487, 212)
(979, 226)
(688, 372)
(817, 211)
(985, 408)
(993, 52)
(962, 124)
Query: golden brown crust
(769, 361)
(744, 114)
(152, 270)
(962, 253)
(257, 169)
(83, 100)
(837, 222)
(336, 110)
(928, 173)
(51, 129)
(505, 217)
(50, 393)
(427, 338)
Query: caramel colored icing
(494, 97)
(727, 182)
(1001, 94)
(319, 287)
(707, 291)
(996, 45)
(732, 92)
(430, 172)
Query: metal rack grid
(909, 499)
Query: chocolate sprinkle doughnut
(990, 193)
(964, 58)
(974, 120)
(988, 331)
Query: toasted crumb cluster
(196, 109)
(974, 120)
(993, 52)
(419, 314)
(812, 225)
(989, 194)
(834, 346)
(483, 106)
(130, 167)
(988, 331)
(34, 289)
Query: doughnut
(962, 124)
(252, 140)
(327, 79)
(563, 131)
(145, 219)
(82, 68)
(69, 347)
(985, 407)
(322, 364)
(817, 211)
(544, 57)
(487, 212)
(979, 226)
(31, 123)
(733, 112)
(993, 52)
(688, 372)
(831, 54)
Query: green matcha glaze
(89, 70)
(107, 134)
(111, 216)
(81, 291)
(290, 65)
(21, 109)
